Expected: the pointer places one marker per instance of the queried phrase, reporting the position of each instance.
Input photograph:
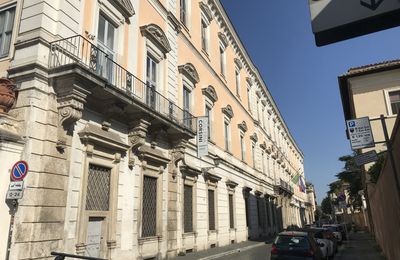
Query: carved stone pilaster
(71, 100)
(137, 137)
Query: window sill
(238, 96)
(222, 77)
(143, 240)
(206, 54)
(186, 29)
(212, 231)
(189, 234)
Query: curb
(234, 251)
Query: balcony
(75, 60)
(284, 188)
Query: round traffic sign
(19, 171)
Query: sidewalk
(214, 253)
(359, 246)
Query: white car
(323, 246)
(336, 232)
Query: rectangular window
(226, 133)
(208, 115)
(211, 210)
(188, 208)
(242, 147)
(183, 12)
(204, 36)
(259, 213)
(6, 27)
(395, 101)
(246, 207)
(222, 60)
(231, 216)
(248, 98)
(268, 216)
(237, 79)
(106, 40)
(186, 106)
(149, 207)
(98, 188)
(263, 163)
(253, 154)
(151, 81)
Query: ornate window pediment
(249, 81)
(243, 126)
(264, 102)
(228, 111)
(254, 137)
(124, 6)
(223, 39)
(231, 184)
(206, 11)
(238, 63)
(263, 145)
(157, 35)
(210, 93)
(190, 72)
(209, 177)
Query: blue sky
(303, 78)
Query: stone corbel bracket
(137, 137)
(177, 155)
(71, 101)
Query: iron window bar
(62, 256)
(78, 50)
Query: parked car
(336, 232)
(322, 237)
(328, 234)
(295, 245)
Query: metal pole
(390, 154)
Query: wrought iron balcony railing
(78, 50)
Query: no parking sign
(19, 171)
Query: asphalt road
(257, 253)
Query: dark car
(295, 245)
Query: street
(361, 246)
(256, 253)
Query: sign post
(202, 136)
(365, 158)
(360, 133)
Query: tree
(326, 206)
(375, 170)
(351, 175)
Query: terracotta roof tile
(371, 67)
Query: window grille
(98, 188)
(211, 210)
(267, 210)
(149, 210)
(246, 206)
(188, 208)
(260, 213)
(231, 216)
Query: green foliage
(375, 170)
(326, 206)
(351, 175)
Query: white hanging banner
(202, 136)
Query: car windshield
(333, 228)
(284, 241)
